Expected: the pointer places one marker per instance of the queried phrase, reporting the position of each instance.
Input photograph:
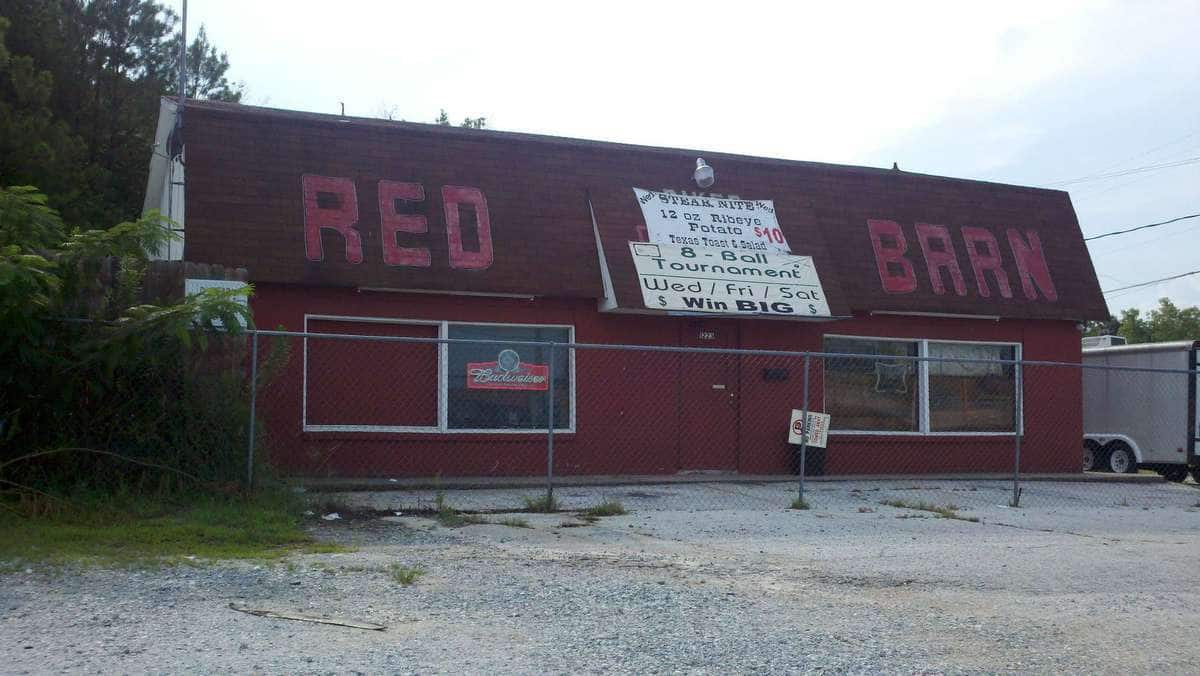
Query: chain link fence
(530, 418)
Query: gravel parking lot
(1083, 583)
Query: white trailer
(1141, 419)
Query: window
(504, 387)
(971, 397)
(395, 386)
(370, 385)
(880, 391)
(876, 391)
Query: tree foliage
(80, 84)
(468, 122)
(86, 363)
(1164, 323)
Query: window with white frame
(504, 386)
(364, 385)
(355, 385)
(971, 396)
(875, 389)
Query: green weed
(404, 575)
(606, 508)
(947, 511)
(543, 504)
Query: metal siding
(1149, 407)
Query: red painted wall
(632, 408)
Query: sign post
(807, 428)
(550, 428)
(804, 436)
(1016, 499)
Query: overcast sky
(1036, 93)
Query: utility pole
(183, 58)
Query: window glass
(874, 391)
(371, 384)
(971, 397)
(503, 387)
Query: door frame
(689, 328)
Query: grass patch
(606, 508)
(542, 505)
(947, 511)
(124, 530)
(448, 517)
(800, 503)
(514, 522)
(405, 575)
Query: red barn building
(365, 226)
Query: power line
(1105, 187)
(1125, 172)
(1123, 249)
(1153, 281)
(1153, 150)
(1138, 156)
(1140, 227)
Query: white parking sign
(818, 428)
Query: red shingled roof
(245, 207)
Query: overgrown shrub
(100, 390)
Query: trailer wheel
(1091, 455)
(1121, 458)
(1177, 473)
(1196, 474)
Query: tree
(1164, 323)
(84, 363)
(1105, 327)
(206, 69)
(1133, 327)
(34, 144)
(467, 123)
(79, 97)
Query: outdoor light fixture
(704, 174)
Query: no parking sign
(818, 428)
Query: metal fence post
(804, 437)
(550, 429)
(253, 410)
(1019, 386)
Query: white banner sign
(192, 287)
(717, 222)
(818, 428)
(697, 279)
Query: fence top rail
(706, 350)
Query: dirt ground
(1089, 582)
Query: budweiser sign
(507, 373)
